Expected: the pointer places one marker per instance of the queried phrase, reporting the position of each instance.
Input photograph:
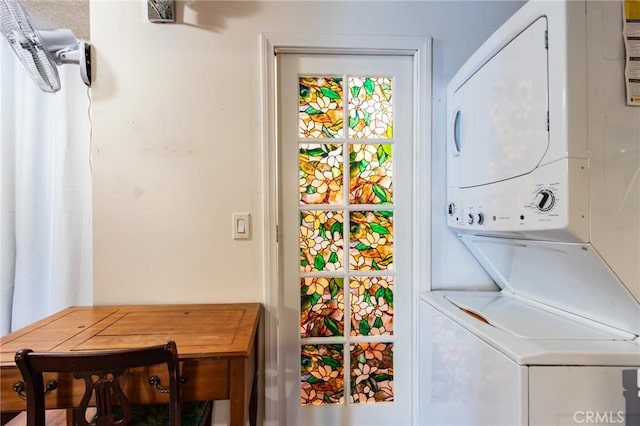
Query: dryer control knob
(470, 219)
(451, 209)
(545, 200)
(480, 218)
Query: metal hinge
(547, 121)
(546, 39)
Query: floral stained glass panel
(323, 201)
(321, 374)
(370, 108)
(371, 306)
(320, 174)
(371, 372)
(321, 307)
(320, 107)
(371, 244)
(321, 240)
(370, 180)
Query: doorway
(351, 173)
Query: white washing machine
(543, 188)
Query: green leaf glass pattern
(320, 174)
(320, 107)
(370, 108)
(371, 244)
(321, 374)
(371, 306)
(321, 240)
(370, 180)
(321, 307)
(371, 372)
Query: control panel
(528, 205)
(533, 208)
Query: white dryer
(543, 187)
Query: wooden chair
(101, 372)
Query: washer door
(497, 126)
(567, 276)
(528, 321)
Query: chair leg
(207, 418)
(71, 414)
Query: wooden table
(217, 345)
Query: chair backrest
(101, 371)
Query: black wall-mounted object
(161, 11)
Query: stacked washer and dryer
(543, 188)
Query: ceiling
(50, 14)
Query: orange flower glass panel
(321, 307)
(371, 244)
(320, 174)
(371, 306)
(371, 372)
(320, 107)
(322, 374)
(370, 180)
(321, 240)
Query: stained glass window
(370, 108)
(320, 109)
(371, 372)
(371, 306)
(346, 240)
(322, 374)
(371, 240)
(322, 307)
(370, 179)
(321, 174)
(321, 240)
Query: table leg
(237, 400)
(253, 403)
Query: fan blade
(25, 41)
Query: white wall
(177, 135)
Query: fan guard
(41, 51)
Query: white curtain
(45, 193)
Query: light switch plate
(241, 226)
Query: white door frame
(420, 49)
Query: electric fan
(41, 51)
